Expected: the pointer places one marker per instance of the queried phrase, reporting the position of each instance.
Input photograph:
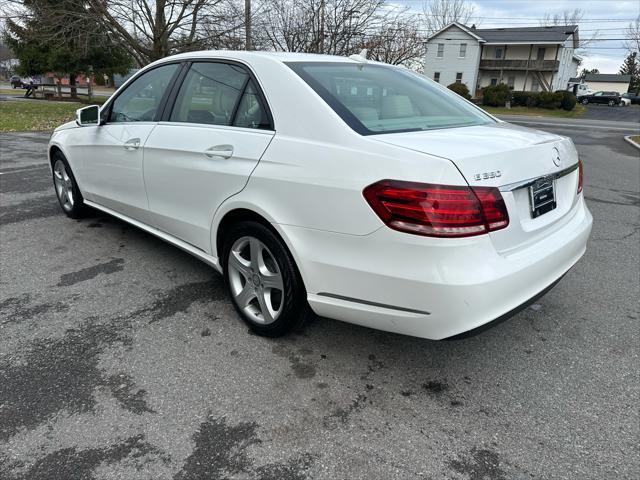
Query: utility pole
(322, 9)
(247, 25)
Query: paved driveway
(121, 358)
(630, 113)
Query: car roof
(280, 57)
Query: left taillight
(580, 175)
(437, 210)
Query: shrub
(496, 95)
(521, 99)
(568, 101)
(547, 100)
(461, 89)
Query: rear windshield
(374, 99)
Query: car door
(112, 158)
(598, 97)
(205, 149)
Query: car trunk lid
(510, 158)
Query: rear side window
(219, 94)
(140, 101)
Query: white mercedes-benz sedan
(353, 189)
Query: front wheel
(263, 280)
(66, 187)
(585, 101)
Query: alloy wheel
(64, 185)
(255, 280)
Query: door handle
(224, 151)
(132, 144)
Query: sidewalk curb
(627, 139)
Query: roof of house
(607, 77)
(555, 33)
(550, 34)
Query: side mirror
(88, 116)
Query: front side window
(459, 77)
(139, 102)
(400, 100)
(440, 50)
(598, 94)
(209, 94)
(463, 50)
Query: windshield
(374, 99)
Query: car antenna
(361, 58)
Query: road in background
(121, 357)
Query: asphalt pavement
(122, 358)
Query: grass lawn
(576, 112)
(636, 138)
(18, 115)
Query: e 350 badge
(487, 175)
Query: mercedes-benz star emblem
(555, 156)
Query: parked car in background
(16, 81)
(354, 189)
(605, 98)
(632, 97)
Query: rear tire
(263, 281)
(611, 103)
(66, 187)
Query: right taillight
(437, 210)
(580, 175)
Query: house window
(459, 77)
(535, 85)
(436, 76)
(494, 81)
(541, 53)
(511, 81)
(463, 50)
(499, 52)
(440, 53)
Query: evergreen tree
(48, 39)
(631, 66)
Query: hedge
(496, 95)
(460, 88)
(560, 99)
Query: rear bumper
(427, 287)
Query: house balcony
(535, 65)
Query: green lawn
(636, 138)
(18, 115)
(576, 112)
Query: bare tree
(398, 42)
(152, 29)
(336, 27)
(440, 13)
(570, 18)
(632, 34)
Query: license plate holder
(542, 197)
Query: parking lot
(122, 358)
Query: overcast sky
(609, 17)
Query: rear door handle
(132, 144)
(223, 151)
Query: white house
(525, 58)
(608, 82)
